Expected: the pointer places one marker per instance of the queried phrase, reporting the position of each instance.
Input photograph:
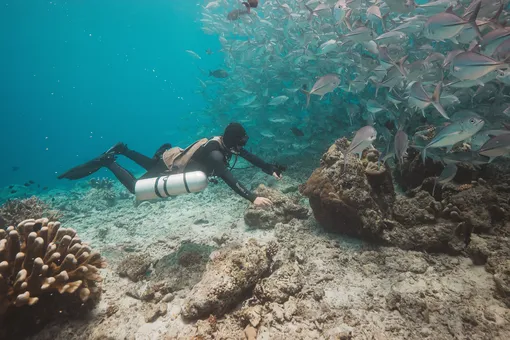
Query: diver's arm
(217, 163)
(258, 162)
(240, 189)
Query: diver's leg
(124, 176)
(144, 161)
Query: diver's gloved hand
(262, 202)
(277, 170)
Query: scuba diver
(211, 156)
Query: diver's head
(235, 137)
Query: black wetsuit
(211, 158)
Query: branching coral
(39, 258)
(17, 210)
(101, 183)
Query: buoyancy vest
(176, 159)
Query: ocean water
(79, 76)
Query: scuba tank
(170, 185)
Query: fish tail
(311, 12)
(400, 65)
(434, 189)
(435, 100)
(307, 96)
(495, 18)
(377, 85)
(472, 19)
(347, 19)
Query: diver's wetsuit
(211, 158)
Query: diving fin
(91, 166)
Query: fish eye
(472, 120)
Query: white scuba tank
(171, 185)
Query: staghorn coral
(101, 183)
(14, 211)
(38, 258)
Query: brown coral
(39, 258)
(14, 211)
(464, 187)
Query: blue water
(79, 76)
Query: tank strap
(185, 182)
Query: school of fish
(394, 74)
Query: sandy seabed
(347, 289)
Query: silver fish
(363, 139)
(454, 133)
(401, 144)
(465, 157)
(278, 100)
(471, 65)
(496, 147)
(446, 176)
(322, 86)
(447, 25)
(493, 39)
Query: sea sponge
(39, 258)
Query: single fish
(213, 5)
(278, 100)
(472, 66)
(322, 86)
(391, 37)
(446, 176)
(493, 39)
(447, 25)
(465, 157)
(363, 139)
(496, 146)
(15, 168)
(247, 100)
(193, 54)
(401, 145)
(327, 47)
(360, 34)
(297, 132)
(454, 133)
(218, 73)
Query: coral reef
(228, 278)
(40, 260)
(282, 211)
(134, 267)
(14, 211)
(360, 200)
(101, 183)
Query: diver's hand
(277, 176)
(262, 202)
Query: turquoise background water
(79, 76)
